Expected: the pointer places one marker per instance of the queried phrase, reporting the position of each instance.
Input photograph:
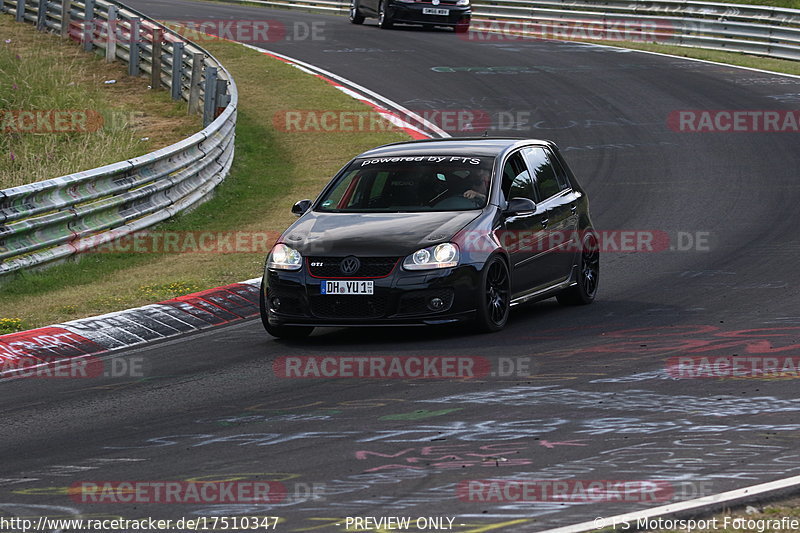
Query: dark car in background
(450, 13)
(434, 232)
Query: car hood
(375, 234)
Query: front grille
(371, 267)
(416, 303)
(354, 306)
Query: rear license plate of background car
(346, 287)
(434, 11)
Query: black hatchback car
(450, 13)
(434, 232)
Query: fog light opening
(275, 303)
(435, 304)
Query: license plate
(346, 287)
(435, 11)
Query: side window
(561, 174)
(546, 180)
(517, 182)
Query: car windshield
(410, 184)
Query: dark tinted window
(561, 174)
(546, 180)
(517, 182)
(411, 184)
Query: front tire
(495, 299)
(281, 332)
(384, 20)
(588, 274)
(355, 15)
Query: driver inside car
(473, 185)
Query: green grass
(793, 4)
(272, 168)
(732, 58)
(11, 325)
(42, 72)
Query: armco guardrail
(325, 6)
(760, 30)
(57, 218)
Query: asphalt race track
(596, 401)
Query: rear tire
(495, 296)
(281, 332)
(588, 274)
(355, 15)
(384, 20)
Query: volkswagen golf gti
(434, 232)
(454, 14)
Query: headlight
(440, 256)
(462, 3)
(284, 258)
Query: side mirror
(518, 206)
(301, 207)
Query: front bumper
(411, 13)
(402, 298)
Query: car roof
(464, 146)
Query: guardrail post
(222, 98)
(21, 10)
(209, 96)
(66, 17)
(136, 37)
(88, 25)
(194, 85)
(155, 60)
(111, 34)
(177, 70)
(41, 15)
